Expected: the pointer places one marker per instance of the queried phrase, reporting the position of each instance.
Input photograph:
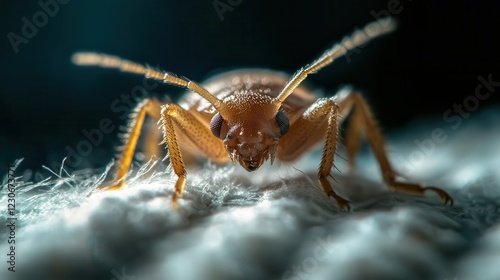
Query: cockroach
(251, 116)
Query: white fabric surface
(274, 223)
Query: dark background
(429, 64)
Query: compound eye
(283, 122)
(216, 124)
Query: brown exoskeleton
(253, 116)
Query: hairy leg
(319, 121)
(362, 120)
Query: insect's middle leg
(362, 120)
(318, 121)
(174, 117)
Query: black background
(430, 63)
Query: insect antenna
(356, 39)
(109, 61)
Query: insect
(251, 116)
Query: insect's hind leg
(362, 120)
(149, 107)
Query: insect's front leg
(320, 121)
(174, 117)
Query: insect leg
(319, 121)
(174, 117)
(151, 140)
(362, 120)
(150, 107)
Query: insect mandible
(250, 116)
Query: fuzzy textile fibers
(274, 223)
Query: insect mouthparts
(252, 166)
